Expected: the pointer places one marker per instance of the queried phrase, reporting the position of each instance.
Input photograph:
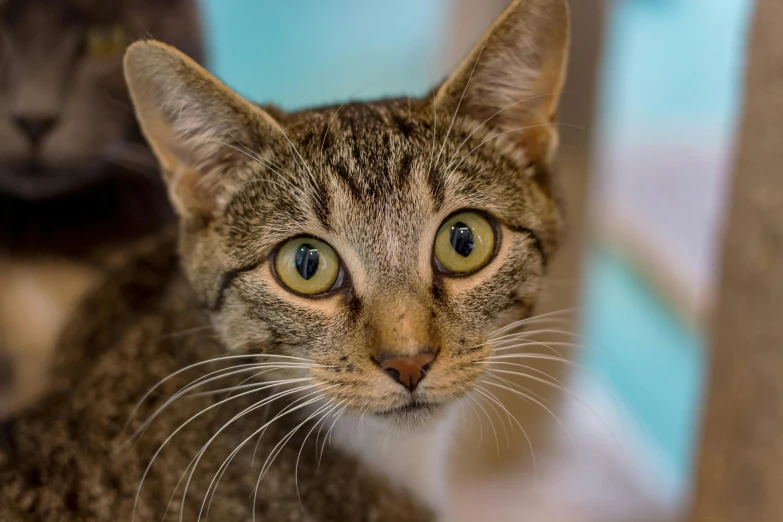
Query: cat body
(352, 268)
(73, 457)
(77, 181)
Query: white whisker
(491, 396)
(226, 425)
(462, 96)
(299, 455)
(209, 361)
(518, 129)
(570, 394)
(528, 320)
(213, 485)
(331, 120)
(530, 396)
(201, 381)
(268, 463)
(184, 424)
(329, 433)
(491, 424)
(496, 114)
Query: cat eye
(464, 244)
(307, 266)
(104, 42)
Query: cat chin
(418, 417)
(38, 182)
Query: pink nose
(407, 370)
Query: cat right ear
(196, 126)
(511, 81)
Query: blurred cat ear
(196, 126)
(512, 79)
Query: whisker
(434, 116)
(478, 418)
(299, 455)
(271, 164)
(311, 180)
(500, 417)
(329, 433)
(241, 386)
(527, 320)
(189, 331)
(268, 464)
(201, 381)
(618, 403)
(534, 332)
(209, 361)
(226, 425)
(331, 120)
(133, 162)
(496, 114)
(283, 183)
(462, 96)
(497, 344)
(528, 395)
(184, 424)
(518, 129)
(546, 321)
(491, 396)
(573, 396)
(491, 424)
(491, 362)
(213, 485)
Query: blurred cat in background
(76, 179)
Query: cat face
(381, 242)
(64, 109)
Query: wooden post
(740, 473)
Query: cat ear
(513, 77)
(196, 126)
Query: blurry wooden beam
(740, 473)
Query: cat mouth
(414, 408)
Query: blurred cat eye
(464, 243)
(106, 41)
(307, 266)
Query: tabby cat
(77, 181)
(342, 271)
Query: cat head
(64, 108)
(380, 242)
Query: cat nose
(407, 370)
(35, 127)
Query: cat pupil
(462, 239)
(306, 261)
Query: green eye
(465, 243)
(307, 266)
(103, 42)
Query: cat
(77, 181)
(342, 272)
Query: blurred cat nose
(35, 127)
(407, 370)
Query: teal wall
(299, 53)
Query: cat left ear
(513, 78)
(196, 126)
